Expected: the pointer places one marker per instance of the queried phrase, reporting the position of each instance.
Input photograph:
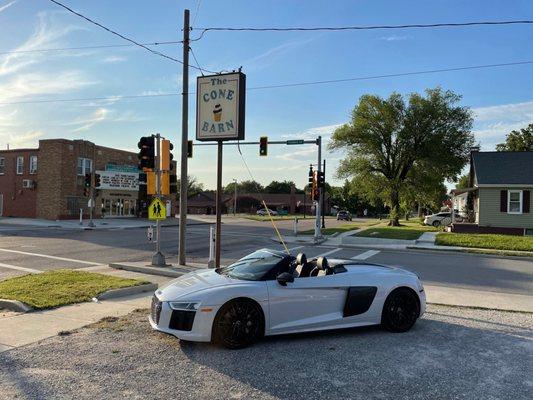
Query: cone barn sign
(220, 101)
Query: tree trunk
(394, 208)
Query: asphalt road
(25, 249)
(451, 353)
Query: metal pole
(211, 261)
(324, 196)
(91, 202)
(158, 259)
(235, 197)
(184, 139)
(318, 234)
(219, 204)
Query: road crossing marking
(327, 253)
(295, 248)
(47, 256)
(365, 255)
(30, 270)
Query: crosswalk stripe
(30, 270)
(365, 255)
(47, 256)
(295, 248)
(327, 253)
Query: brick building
(48, 182)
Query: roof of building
(503, 167)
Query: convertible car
(269, 293)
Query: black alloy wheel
(238, 324)
(400, 311)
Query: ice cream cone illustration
(217, 113)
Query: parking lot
(454, 353)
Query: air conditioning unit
(28, 184)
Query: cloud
(6, 6)
(26, 139)
(395, 38)
(98, 115)
(113, 59)
(493, 123)
(312, 133)
(268, 57)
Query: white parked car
(270, 293)
(442, 218)
(264, 212)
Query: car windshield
(253, 267)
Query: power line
(283, 85)
(365, 27)
(197, 12)
(118, 34)
(102, 46)
(197, 63)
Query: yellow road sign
(157, 210)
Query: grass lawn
(408, 230)
(279, 217)
(486, 241)
(61, 287)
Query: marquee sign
(220, 103)
(119, 180)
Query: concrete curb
(15, 305)
(170, 271)
(126, 291)
(475, 250)
(299, 240)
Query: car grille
(182, 320)
(155, 312)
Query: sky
(501, 98)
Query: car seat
(303, 268)
(322, 267)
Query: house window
(85, 166)
(20, 165)
(515, 202)
(33, 164)
(2, 165)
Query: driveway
(454, 353)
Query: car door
(305, 304)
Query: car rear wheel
(436, 224)
(238, 324)
(400, 311)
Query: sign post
(220, 108)
(157, 209)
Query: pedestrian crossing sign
(157, 210)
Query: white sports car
(269, 293)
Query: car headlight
(187, 306)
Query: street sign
(296, 141)
(157, 210)
(220, 102)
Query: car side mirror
(285, 278)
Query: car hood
(193, 282)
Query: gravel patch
(451, 353)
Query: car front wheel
(238, 324)
(436, 224)
(400, 311)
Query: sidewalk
(100, 224)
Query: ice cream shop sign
(220, 101)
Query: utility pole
(324, 195)
(184, 140)
(235, 197)
(218, 236)
(318, 233)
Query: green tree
(244, 187)
(193, 186)
(279, 187)
(518, 140)
(388, 142)
(463, 182)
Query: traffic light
(314, 187)
(87, 185)
(97, 181)
(263, 145)
(311, 176)
(174, 182)
(147, 152)
(321, 179)
(166, 155)
(189, 149)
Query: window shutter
(503, 200)
(526, 200)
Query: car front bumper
(422, 297)
(200, 331)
